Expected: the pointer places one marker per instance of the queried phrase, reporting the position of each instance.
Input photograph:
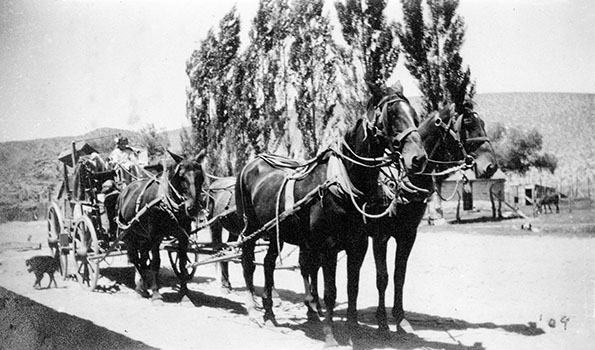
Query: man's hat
(123, 141)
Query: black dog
(44, 264)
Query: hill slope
(566, 121)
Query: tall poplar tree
(372, 45)
(432, 47)
(268, 56)
(313, 62)
(208, 97)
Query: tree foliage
(244, 101)
(208, 99)
(518, 151)
(155, 143)
(371, 42)
(312, 61)
(267, 59)
(432, 46)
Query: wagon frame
(78, 232)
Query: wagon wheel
(174, 259)
(84, 247)
(54, 230)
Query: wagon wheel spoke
(55, 229)
(85, 245)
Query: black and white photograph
(297, 174)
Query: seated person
(124, 159)
(111, 197)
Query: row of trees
(296, 84)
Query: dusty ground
(473, 286)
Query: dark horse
(451, 141)
(151, 209)
(331, 222)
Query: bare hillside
(566, 122)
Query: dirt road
(485, 286)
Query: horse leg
(379, 244)
(355, 259)
(183, 261)
(308, 270)
(329, 270)
(248, 268)
(405, 241)
(216, 237)
(269, 282)
(153, 273)
(137, 261)
(314, 285)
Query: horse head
(397, 122)
(472, 133)
(440, 139)
(188, 179)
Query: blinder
(472, 142)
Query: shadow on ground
(367, 336)
(25, 324)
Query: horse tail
(244, 205)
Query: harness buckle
(321, 195)
(469, 161)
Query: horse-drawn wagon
(77, 219)
(82, 220)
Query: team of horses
(391, 143)
(375, 182)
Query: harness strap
(406, 133)
(140, 196)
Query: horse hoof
(185, 300)
(271, 323)
(404, 327)
(157, 299)
(330, 342)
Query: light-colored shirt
(124, 157)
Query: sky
(70, 66)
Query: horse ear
(200, 156)
(397, 87)
(176, 157)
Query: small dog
(42, 264)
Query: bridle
(380, 123)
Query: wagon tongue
(228, 254)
